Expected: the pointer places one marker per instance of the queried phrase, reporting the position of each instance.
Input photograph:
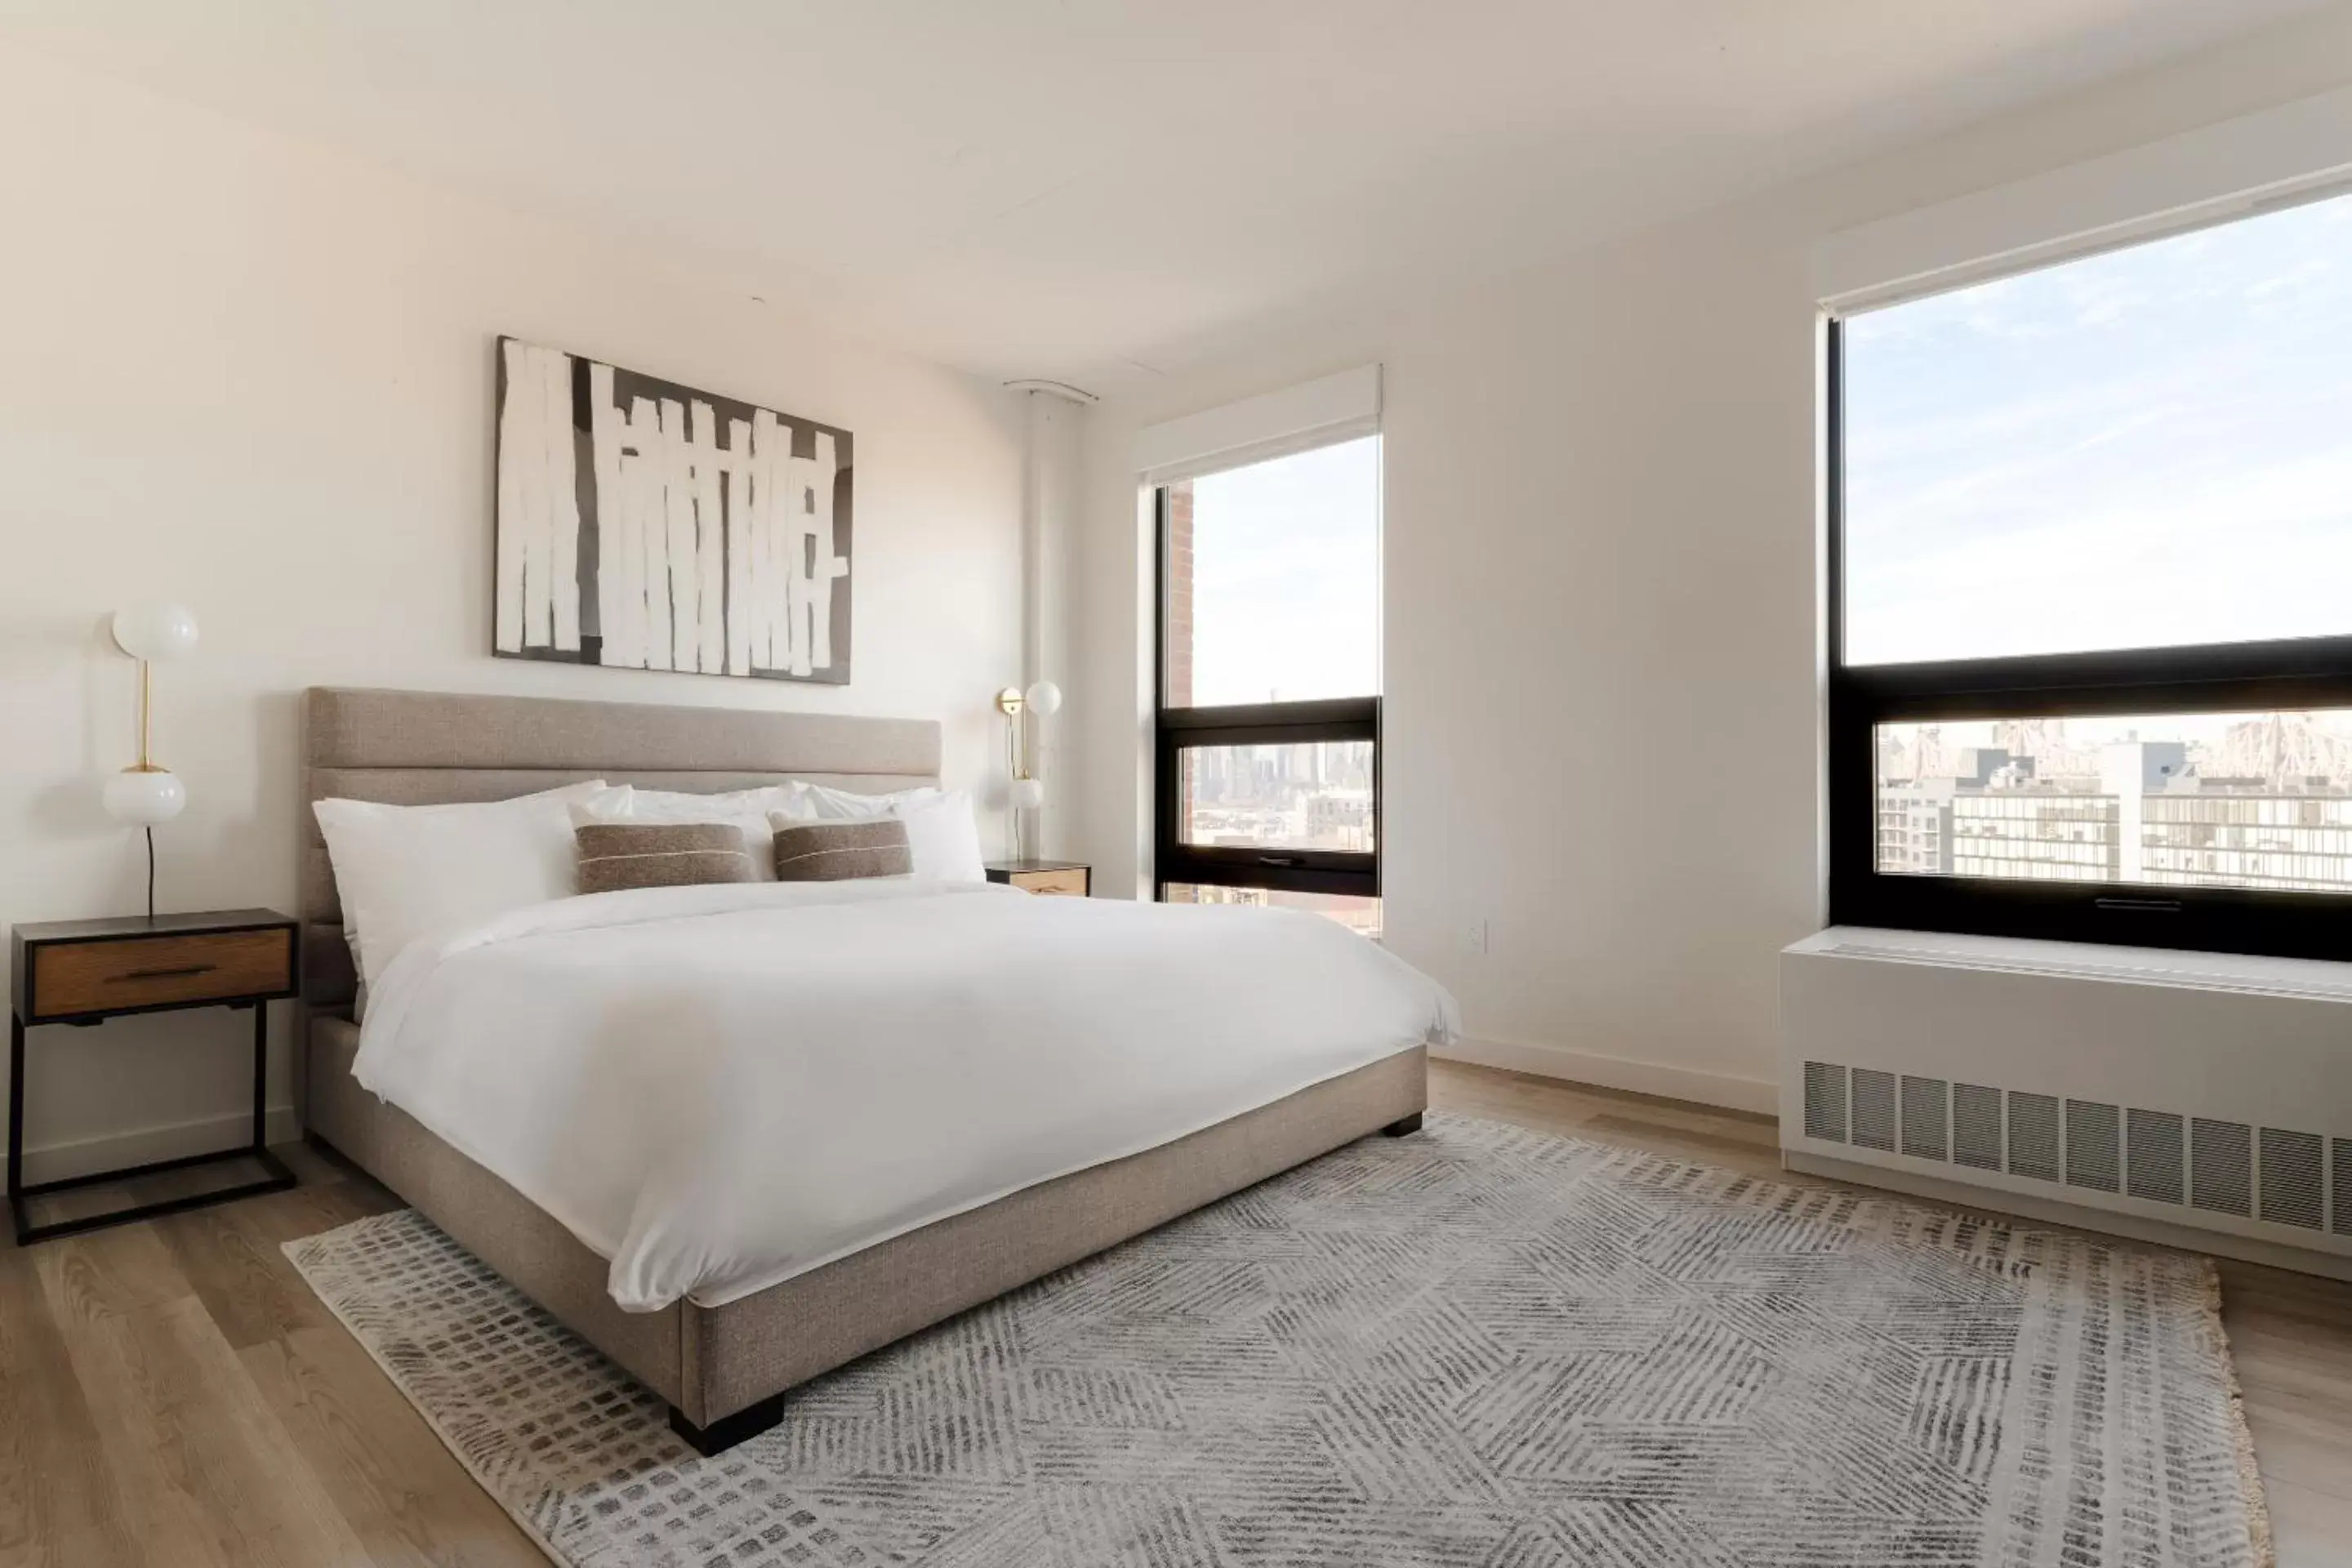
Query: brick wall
(1179, 621)
(1180, 595)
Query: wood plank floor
(172, 1392)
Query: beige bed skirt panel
(711, 1362)
(747, 1350)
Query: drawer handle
(180, 974)
(1278, 860)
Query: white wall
(1601, 708)
(255, 376)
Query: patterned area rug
(1479, 1347)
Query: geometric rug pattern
(1475, 1347)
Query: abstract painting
(643, 525)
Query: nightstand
(1058, 878)
(83, 972)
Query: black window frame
(2214, 677)
(1178, 729)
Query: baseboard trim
(2052, 1211)
(173, 1141)
(1728, 1090)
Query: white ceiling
(1099, 190)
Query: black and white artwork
(643, 525)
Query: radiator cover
(2205, 1091)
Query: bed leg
(1399, 1127)
(728, 1430)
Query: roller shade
(2297, 152)
(1313, 414)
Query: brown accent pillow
(836, 851)
(614, 856)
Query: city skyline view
(1307, 796)
(2274, 747)
(2217, 800)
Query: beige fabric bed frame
(724, 1370)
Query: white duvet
(719, 1088)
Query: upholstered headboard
(418, 748)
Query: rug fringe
(2250, 1475)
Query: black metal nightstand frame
(277, 1177)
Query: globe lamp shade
(155, 632)
(144, 796)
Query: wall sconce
(1042, 700)
(146, 792)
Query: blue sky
(2145, 448)
(1286, 577)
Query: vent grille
(2093, 1146)
(1874, 1109)
(2033, 1135)
(2302, 1180)
(1825, 1101)
(2222, 1166)
(2343, 1219)
(1925, 1133)
(2292, 1178)
(1975, 1126)
(2153, 1145)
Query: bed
(724, 1360)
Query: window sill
(2318, 979)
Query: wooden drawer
(76, 977)
(1067, 884)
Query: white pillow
(822, 803)
(942, 837)
(403, 871)
(745, 810)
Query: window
(1274, 591)
(1268, 724)
(2091, 615)
(1324, 789)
